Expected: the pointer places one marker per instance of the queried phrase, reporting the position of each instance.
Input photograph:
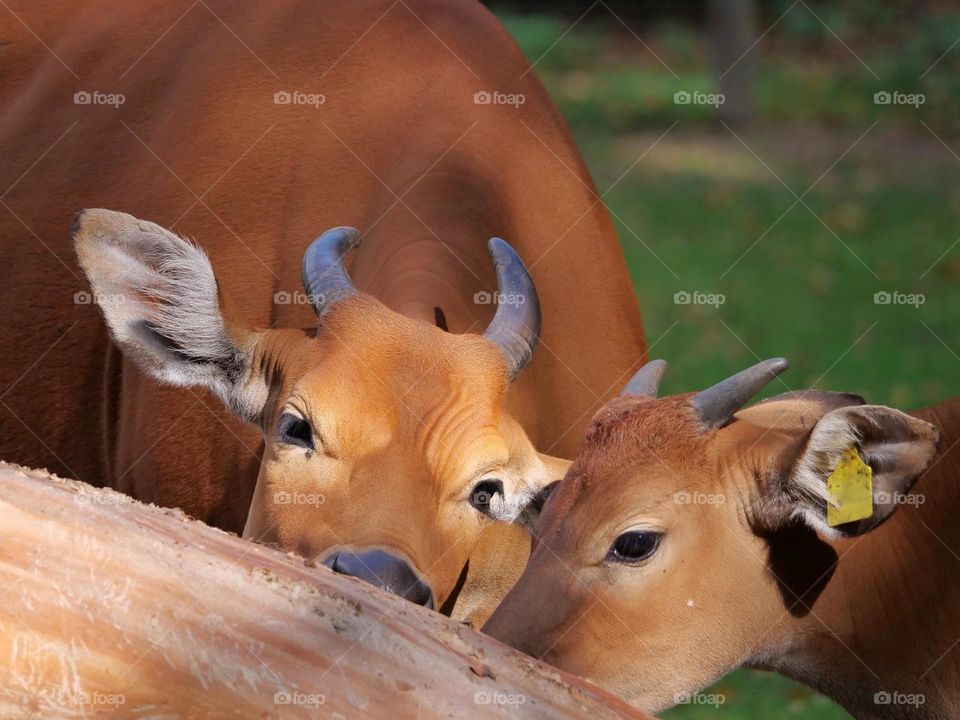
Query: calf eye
(483, 494)
(634, 546)
(294, 430)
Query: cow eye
(484, 492)
(634, 546)
(294, 430)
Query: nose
(384, 571)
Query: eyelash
(294, 430)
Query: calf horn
(516, 324)
(647, 380)
(716, 405)
(324, 277)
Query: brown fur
(200, 144)
(741, 581)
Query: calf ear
(161, 302)
(897, 447)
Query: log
(112, 608)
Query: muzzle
(384, 571)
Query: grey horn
(647, 380)
(516, 324)
(717, 404)
(324, 277)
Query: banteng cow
(689, 539)
(381, 423)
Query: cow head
(659, 556)
(387, 449)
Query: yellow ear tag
(851, 484)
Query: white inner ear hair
(830, 439)
(164, 310)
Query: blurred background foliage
(807, 62)
(798, 207)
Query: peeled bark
(111, 608)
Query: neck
(874, 623)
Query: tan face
(388, 434)
(651, 575)
(386, 446)
(630, 545)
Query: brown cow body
(398, 149)
(199, 103)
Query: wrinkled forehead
(379, 348)
(379, 383)
(636, 449)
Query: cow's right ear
(897, 447)
(161, 302)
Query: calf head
(652, 571)
(387, 448)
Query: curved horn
(516, 324)
(324, 277)
(717, 404)
(647, 380)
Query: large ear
(161, 302)
(897, 447)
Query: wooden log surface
(112, 608)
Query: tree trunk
(111, 608)
(732, 29)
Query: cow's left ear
(897, 447)
(162, 304)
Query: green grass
(795, 290)
(701, 213)
(752, 694)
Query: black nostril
(421, 594)
(384, 571)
